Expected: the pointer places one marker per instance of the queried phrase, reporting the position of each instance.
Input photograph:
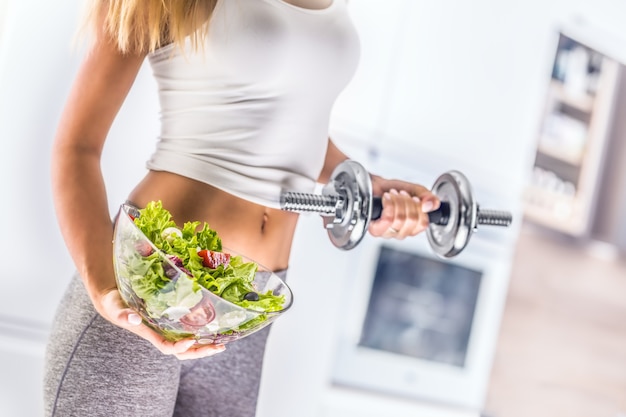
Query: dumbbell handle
(441, 216)
(326, 205)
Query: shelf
(572, 139)
(544, 218)
(556, 152)
(554, 210)
(580, 101)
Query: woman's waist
(249, 169)
(260, 233)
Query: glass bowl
(179, 307)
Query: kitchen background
(524, 97)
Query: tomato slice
(212, 259)
(143, 248)
(202, 314)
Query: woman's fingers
(414, 220)
(182, 349)
(403, 215)
(200, 351)
(383, 226)
(115, 310)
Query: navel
(264, 222)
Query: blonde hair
(140, 26)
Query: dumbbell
(347, 205)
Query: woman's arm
(405, 205)
(101, 86)
(333, 158)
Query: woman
(246, 89)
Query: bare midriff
(260, 233)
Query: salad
(166, 272)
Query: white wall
(38, 61)
(4, 9)
(462, 79)
(459, 79)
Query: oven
(418, 326)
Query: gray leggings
(94, 368)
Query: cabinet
(572, 137)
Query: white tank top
(249, 112)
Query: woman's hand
(112, 307)
(405, 208)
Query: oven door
(419, 326)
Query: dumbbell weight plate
(450, 239)
(352, 181)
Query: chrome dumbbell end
(494, 218)
(311, 203)
(353, 210)
(448, 239)
(345, 204)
